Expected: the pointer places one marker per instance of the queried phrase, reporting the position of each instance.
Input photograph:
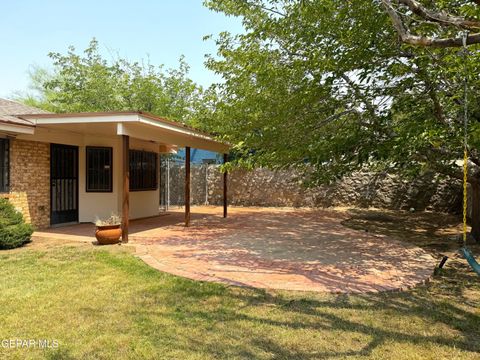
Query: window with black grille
(143, 170)
(4, 165)
(99, 169)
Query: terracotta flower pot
(108, 234)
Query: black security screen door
(64, 183)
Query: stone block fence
(263, 187)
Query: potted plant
(108, 230)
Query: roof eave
(116, 116)
(13, 128)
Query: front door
(63, 184)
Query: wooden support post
(126, 185)
(225, 175)
(187, 186)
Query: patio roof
(135, 124)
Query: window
(143, 170)
(99, 169)
(4, 165)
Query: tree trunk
(475, 216)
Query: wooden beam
(187, 186)
(126, 186)
(225, 178)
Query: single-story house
(67, 168)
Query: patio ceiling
(138, 125)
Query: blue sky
(160, 29)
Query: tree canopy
(331, 84)
(88, 82)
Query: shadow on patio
(289, 249)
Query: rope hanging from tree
(464, 250)
(465, 139)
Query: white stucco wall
(94, 205)
(143, 203)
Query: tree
(87, 82)
(332, 87)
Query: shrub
(14, 232)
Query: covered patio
(104, 163)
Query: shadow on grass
(438, 304)
(59, 354)
(178, 317)
(447, 309)
(443, 303)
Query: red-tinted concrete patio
(306, 250)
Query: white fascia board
(86, 119)
(17, 129)
(175, 128)
(121, 130)
(119, 119)
(157, 134)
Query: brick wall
(30, 180)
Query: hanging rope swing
(467, 254)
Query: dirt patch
(436, 233)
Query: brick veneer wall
(30, 180)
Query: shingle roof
(9, 109)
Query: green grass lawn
(103, 303)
